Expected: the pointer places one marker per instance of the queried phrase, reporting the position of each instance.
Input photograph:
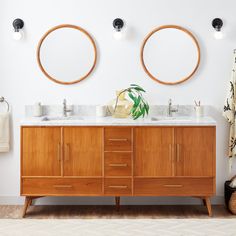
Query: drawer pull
(118, 186)
(118, 139)
(118, 165)
(62, 186)
(173, 185)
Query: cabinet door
(83, 151)
(195, 151)
(41, 151)
(153, 151)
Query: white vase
(101, 111)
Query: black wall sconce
(118, 24)
(18, 25)
(217, 24)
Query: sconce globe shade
(218, 35)
(118, 35)
(17, 35)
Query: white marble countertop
(110, 121)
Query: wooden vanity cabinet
(118, 161)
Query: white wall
(21, 81)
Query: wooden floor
(109, 212)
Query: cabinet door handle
(118, 186)
(178, 152)
(170, 152)
(62, 186)
(118, 139)
(118, 165)
(173, 185)
(67, 152)
(59, 152)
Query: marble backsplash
(90, 110)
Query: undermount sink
(62, 118)
(172, 118)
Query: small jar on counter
(37, 109)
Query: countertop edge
(108, 121)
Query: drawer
(118, 187)
(117, 163)
(174, 186)
(61, 187)
(118, 139)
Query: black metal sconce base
(18, 24)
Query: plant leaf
(139, 89)
(138, 100)
(146, 107)
(131, 95)
(134, 85)
(138, 115)
(140, 106)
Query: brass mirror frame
(172, 27)
(73, 27)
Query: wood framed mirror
(67, 54)
(170, 54)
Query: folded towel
(4, 132)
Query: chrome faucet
(65, 110)
(171, 109)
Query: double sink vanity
(82, 155)
(89, 156)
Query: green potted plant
(137, 106)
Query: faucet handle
(170, 101)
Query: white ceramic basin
(62, 118)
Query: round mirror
(170, 54)
(67, 54)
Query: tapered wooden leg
(117, 203)
(208, 205)
(28, 201)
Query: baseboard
(17, 200)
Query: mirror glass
(170, 54)
(67, 54)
